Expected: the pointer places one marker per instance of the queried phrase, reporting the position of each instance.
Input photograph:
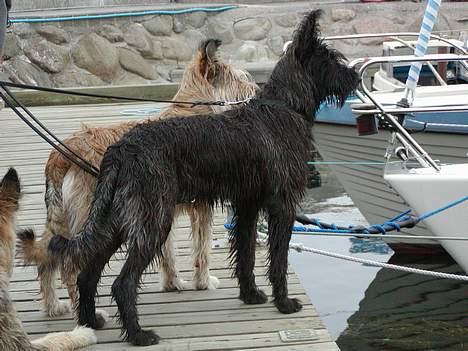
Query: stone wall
(146, 49)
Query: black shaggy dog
(254, 157)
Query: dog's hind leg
(147, 234)
(47, 268)
(170, 280)
(47, 272)
(280, 219)
(77, 189)
(201, 216)
(243, 241)
(88, 281)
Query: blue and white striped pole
(430, 17)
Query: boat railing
(395, 36)
(375, 108)
(369, 98)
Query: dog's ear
(208, 50)
(307, 36)
(10, 185)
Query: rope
(441, 209)
(262, 238)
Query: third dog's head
(10, 193)
(310, 72)
(207, 78)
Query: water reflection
(371, 309)
(404, 311)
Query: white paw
(175, 284)
(86, 336)
(58, 308)
(212, 284)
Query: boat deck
(190, 320)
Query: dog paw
(253, 297)
(102, 317)
(212, 283)
(87, 336)
(145, 338)
(175, 284)
(59, 308)
(288, 306)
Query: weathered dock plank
(189, 320)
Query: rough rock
(137, 37)
(21, 70)
(159, 25)
(48, 56)
(176, 49)
(54, 34)
(96, 55)
(178, 25)
(343, 15)
(374, 24)
(111, 33)
(124, 77)
(252, 28)
(195, 19)
(194, 38)
(289, 20)
(11, 47)
(219, 29)
(251, 51)
(276, 44)
(134, 63)
(76, 77)
(24, 30)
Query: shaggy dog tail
(75, 253)
(66, 341)
(32, 250)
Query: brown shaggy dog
(70, 190)
(12, 335)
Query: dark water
(367, 308)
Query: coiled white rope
(299, 247)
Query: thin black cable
(85, 165)
(113, 97)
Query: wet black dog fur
(254, 157)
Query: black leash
(62, 147)
(4, 84)
(67, 152)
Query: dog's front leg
(201, 217)
(170, 280)
(243, 241)
(281, 218)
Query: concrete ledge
(163, 91)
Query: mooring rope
(299, 247)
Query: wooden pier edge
(189, 320)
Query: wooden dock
(189, 320)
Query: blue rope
(393, 224)
(123, 14)
(401, 215)
(452, 204)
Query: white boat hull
(365, 184)
(426, 190)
